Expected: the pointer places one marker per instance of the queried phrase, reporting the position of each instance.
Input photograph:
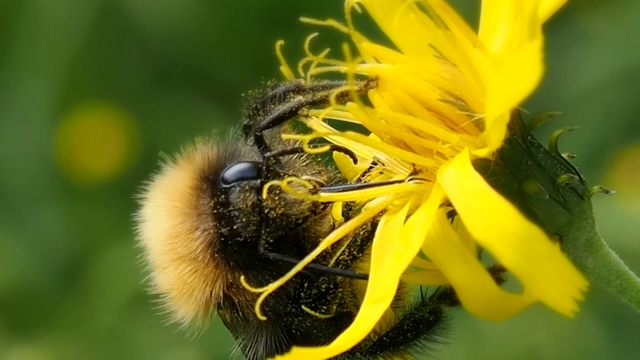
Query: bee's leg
(280, 96)
(284, 114)
(321, 269)
(318, 268)
(271, 159)
(299, 150)
(419, 324)
(288, 100)
(359, 186)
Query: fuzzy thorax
(177, 231)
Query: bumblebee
(203, 223)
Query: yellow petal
(398, 19)
(506, 24)
(518, 76)
(466, 238)
(512, 33)
(548, 8)
(476, 289)
(432, 277)
(435, 30)
(395, 245)
(347, 168)
(517, 243)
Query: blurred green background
(91, 91)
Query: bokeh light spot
(96, 142)
(623, 175)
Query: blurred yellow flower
(444, 97)
(96, 142)
(623, 174)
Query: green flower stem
(550, 191)
(591, 254)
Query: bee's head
(203, 223)
(179, 233)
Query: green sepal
(552, 193)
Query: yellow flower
(443, 98)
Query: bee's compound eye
(241, 171)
